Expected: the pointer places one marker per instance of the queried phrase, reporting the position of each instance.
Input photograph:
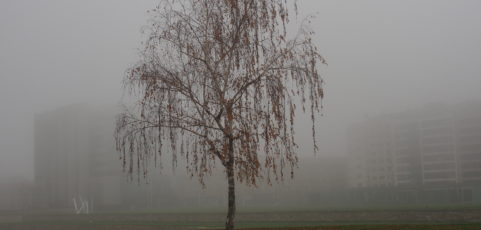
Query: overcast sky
(384, 56)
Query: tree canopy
(218, 80)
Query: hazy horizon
(383, 57)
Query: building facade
(74, 158)
(435, 147)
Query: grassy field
(308, 220)
(105, 225)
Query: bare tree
(217, 81)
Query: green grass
(106, 225)
(385, 227)
(363, 208)
(252, 220)
(286, 209)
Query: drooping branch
(220, 73)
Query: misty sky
(384, 56)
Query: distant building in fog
(436, 146)
(74, 158)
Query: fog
(383, 57)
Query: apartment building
(433, 146)
(74, 158)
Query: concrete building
(371, 155)
(74, 158)
(433, 147)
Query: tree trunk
(229, 224)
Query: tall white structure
(433, 146)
